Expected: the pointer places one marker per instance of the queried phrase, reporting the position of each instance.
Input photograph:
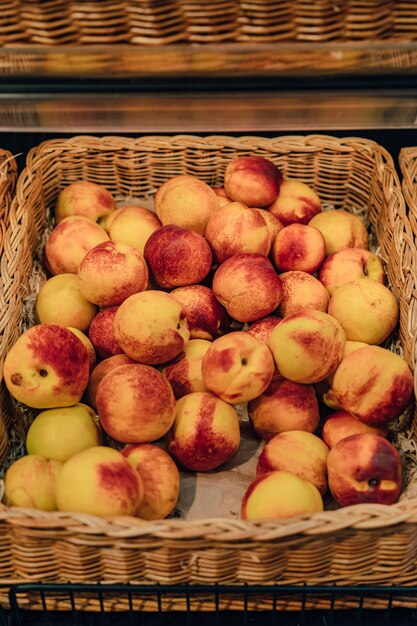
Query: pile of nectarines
(153, 325)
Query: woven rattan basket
(151, 22)
(8, 177)
(359, 544)
(408, 165)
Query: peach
(367, 310)
(60, 301)
(184, 373)
(237, 367)
(99, 373)
(187, 202)
(206, 317)
(284, 405)
(340, 230)
(342, 424)
(111, 272)
(92, 357)
(30, 482)
(350, 264)
(247, 286)
(307, 346)
(177, 256)
(62, 432)
(160, 480)
(135, 404)
(133, 225)
(205, 433)
(47, 367)
(69, 242)
(234, 229)
(273, 223)
(278, 495)
(299, 247)
(300, 292)
(297, 203)
(99, 481)
(262, 329)
(298, 452)
(151, 327)
(101, 333)
(253, 180)
(373, 384)
(364, 469)
(86, 199)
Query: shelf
(191, 88)
(228, 59)
(123, 604)
(234, 112)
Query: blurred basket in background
(370, 19)
(405, 20)
(149, 22)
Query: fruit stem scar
(43, 373)
(244, 361)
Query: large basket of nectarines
(210, 364)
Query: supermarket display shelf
(282, 59)
(207, 112)
(118, 604)
(209, 88)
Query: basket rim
(7, 157)
(220, 530)
(8, 172)
(360, 516)
(282, 144)
(222, 140)
(406, 160)
(406, 154)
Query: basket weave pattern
(408, 166)
(52, 22)
(8, 177)
(351, 545)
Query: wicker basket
(8, 177)
(408, 165)
(359, 544)
(151, 22)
